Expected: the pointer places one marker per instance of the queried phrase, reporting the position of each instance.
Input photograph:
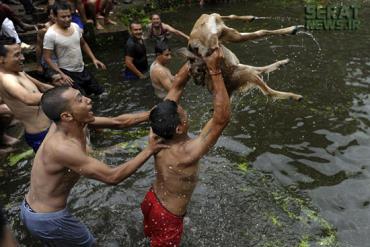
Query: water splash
(282, 18)
(310, 35)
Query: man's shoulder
(75, 26)
(7, 77)
(61, 147)
(50, 31)
(157, 69)
(180, 150)
(130, 41)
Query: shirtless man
(160, 75)
(60, 162)
(160, 31)
(22, 93)
(177, 167)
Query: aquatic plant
(13, 158)
(244, 166)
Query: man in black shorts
(135, 57)
(66, 41)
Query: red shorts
(160, 225)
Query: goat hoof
(296, 29)
(284, 62)
(299, 98)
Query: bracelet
(215, 73)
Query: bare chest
(27, 84)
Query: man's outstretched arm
(75, 159)
(179, 83)
(175, 31)
(121, 121)
(221, 114)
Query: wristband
(215, 72)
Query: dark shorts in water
(57, 229)
(84, 82)
(128, 75)
(35, 140)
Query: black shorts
(84, 82)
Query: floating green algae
(13, 159)
(139, 133)
(275, 220)
(244, 166)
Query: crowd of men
(57, 115)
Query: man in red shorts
(177, 167)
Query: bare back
(176, 177)
(32, 117)
(51, 181)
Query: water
(283, 173)
(311, 36)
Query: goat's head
(198, 68)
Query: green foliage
(134, 14)
(141, 14)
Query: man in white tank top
(65, 40)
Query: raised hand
(156, 143)
(213, 61)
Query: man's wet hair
(60, 5)
(164, 119)
(5, 41)
(53, 103)
(160, 47)
(2, 224)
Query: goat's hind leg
(241, 17)
(229, 34)
(269, 68)
(266, 90)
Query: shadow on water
(282, 174)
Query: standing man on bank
(135, 54)
(65, 39)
